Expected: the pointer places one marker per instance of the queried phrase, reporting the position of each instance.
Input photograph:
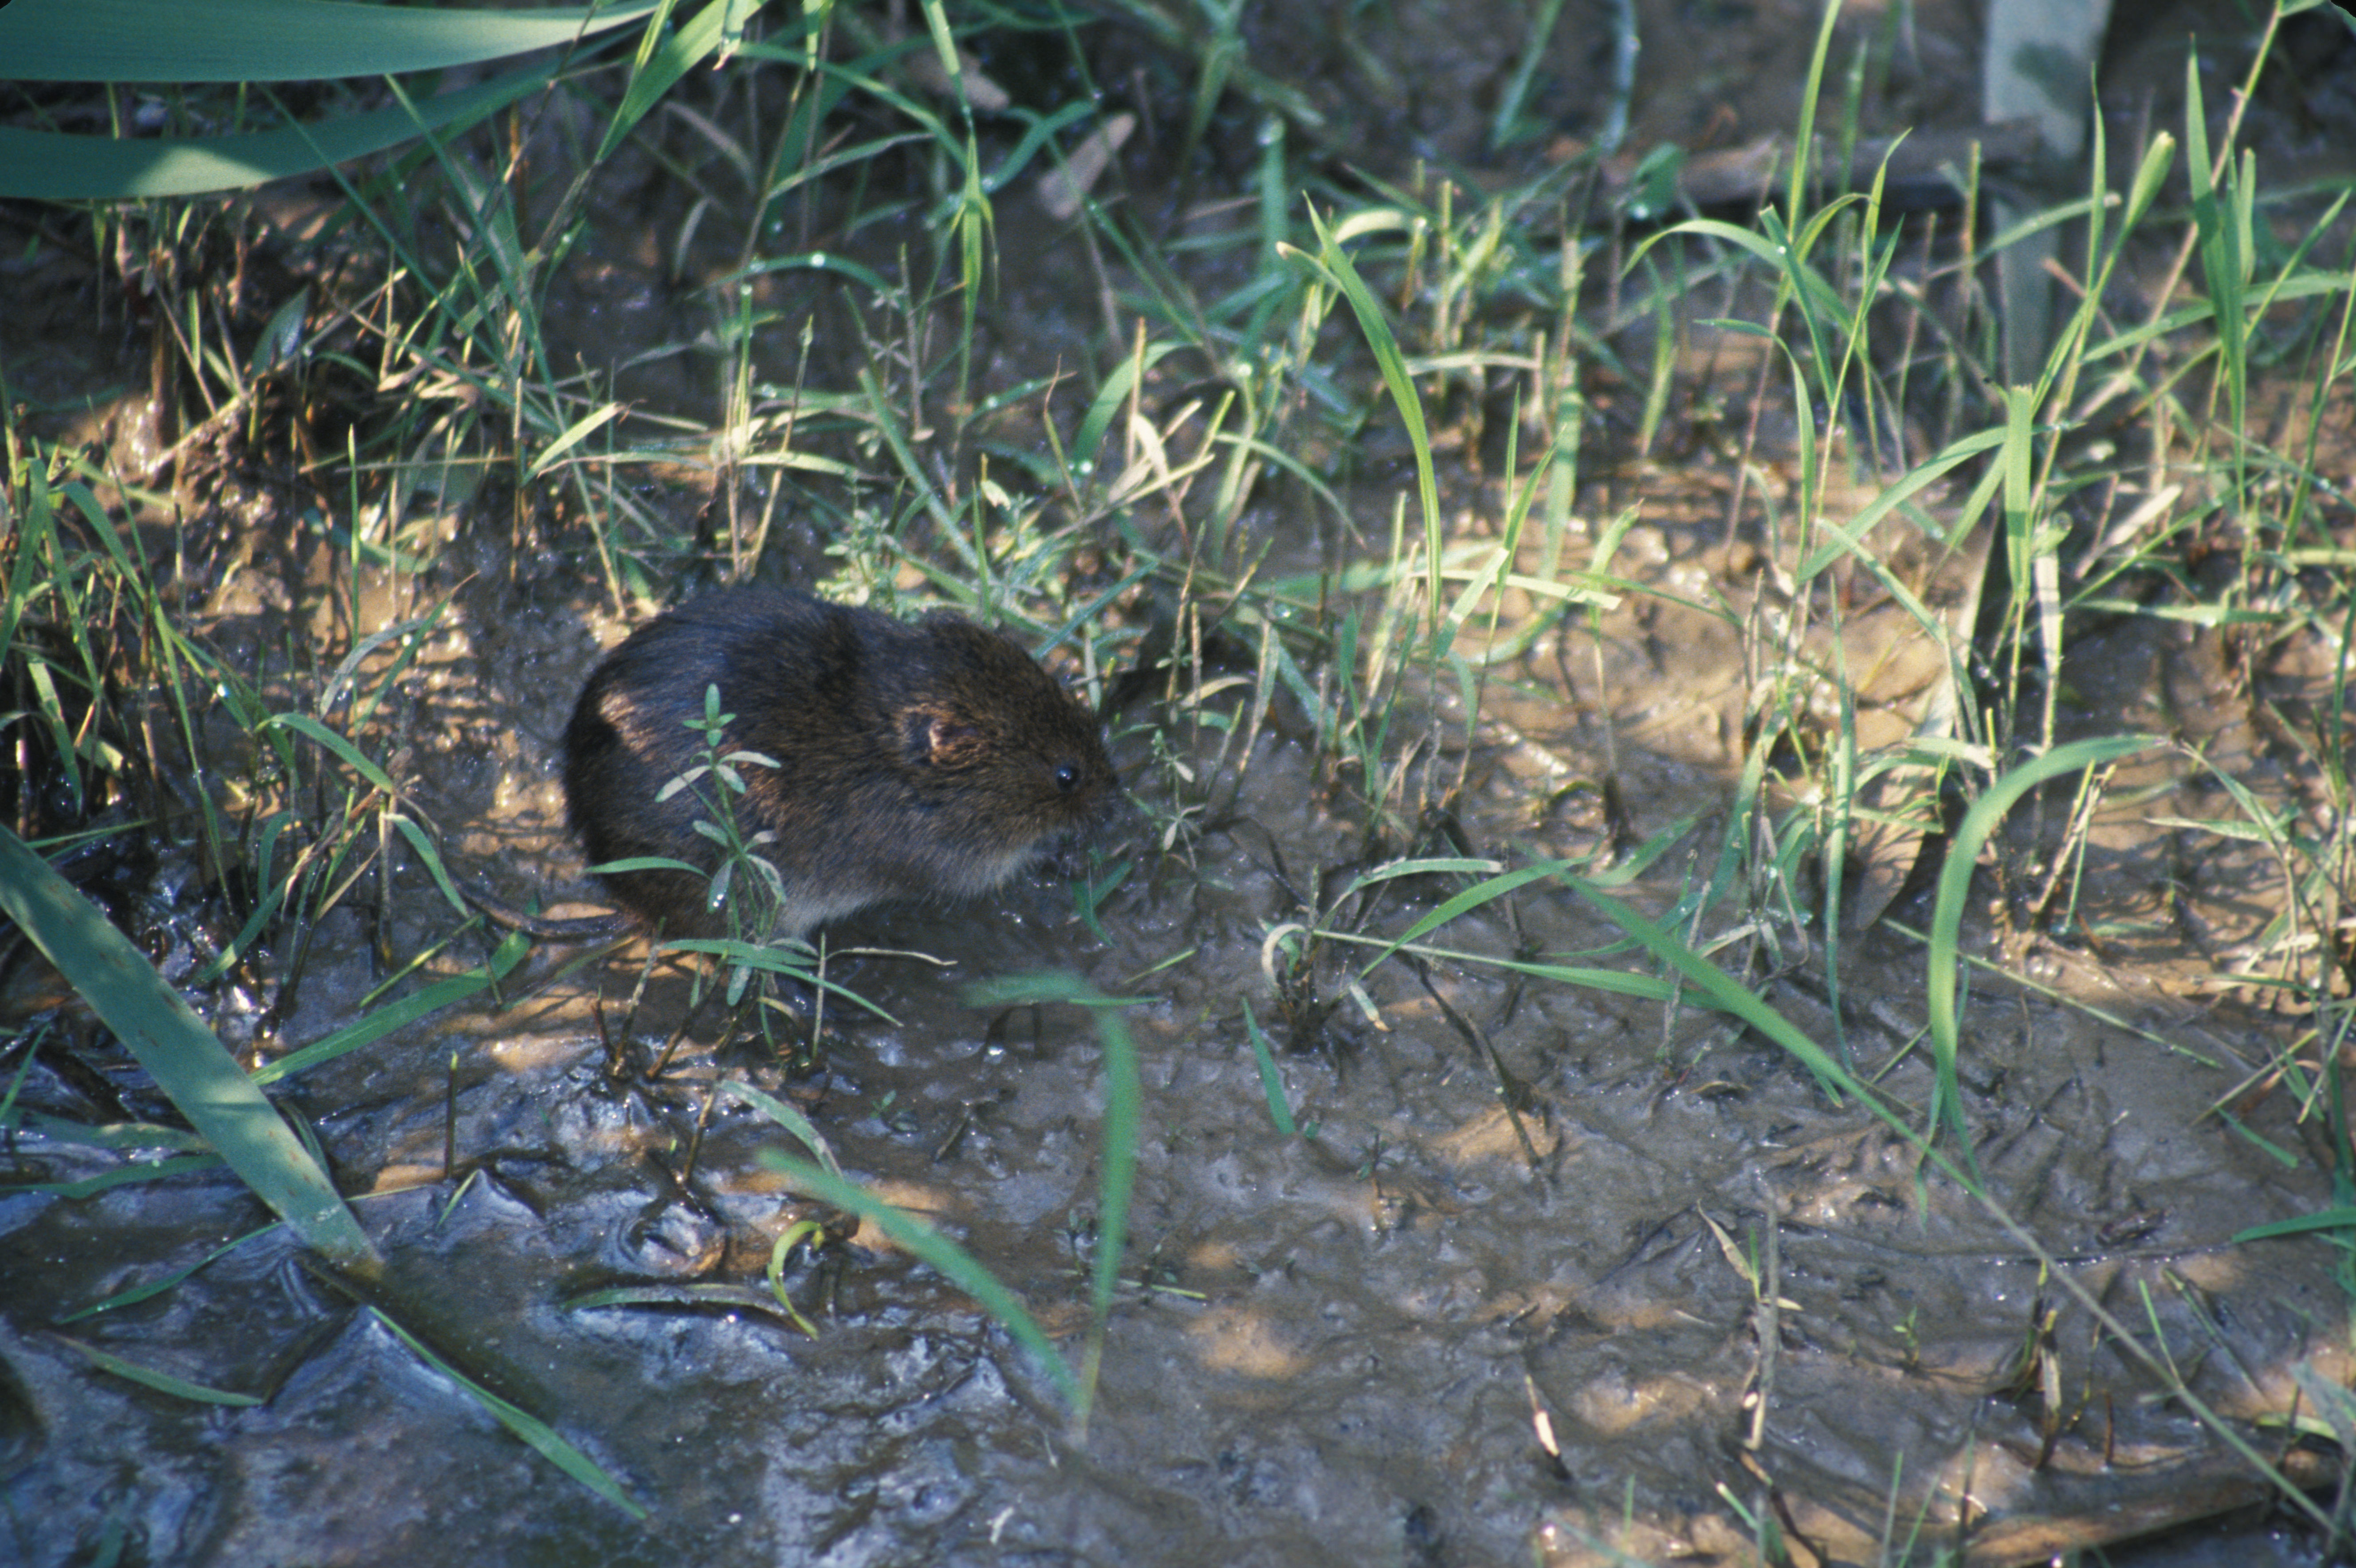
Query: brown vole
(914, 759)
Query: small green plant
(747, 889)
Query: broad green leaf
(281, 40)
(44, 165)
(275, 40)
(182, 1055)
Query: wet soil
(1559, 1272)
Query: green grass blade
(785, 1116)
(112, 1135)
(429, 855)
(1955, 883)
(407, 1010)
(1803, 139)
(1506, 125)
(794, 964)
(187, 1062)
(162, 1382)
(937, 1251)
(1108, 401)
(122, 1176)
(1271, 1081)
(1845, 536)
(1117, 1144)
(682, 48)
(580, 430)
(1721, 989)
(2299, 1225)
(523, 1423)
(1334, 263)
(353, 758)
(1472, 897)
(1436, 865)
(133, 1294)
(1116, 1184)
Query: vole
(912, 759)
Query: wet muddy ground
(1333, 1346)
(1560, 1273)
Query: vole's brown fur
(914, 759)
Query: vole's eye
(1067, 777)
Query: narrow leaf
(187, 1062)
(523, 1423)
(162, 1382)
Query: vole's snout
(1104, 809)
(1117, 812)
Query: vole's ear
(938, 737)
